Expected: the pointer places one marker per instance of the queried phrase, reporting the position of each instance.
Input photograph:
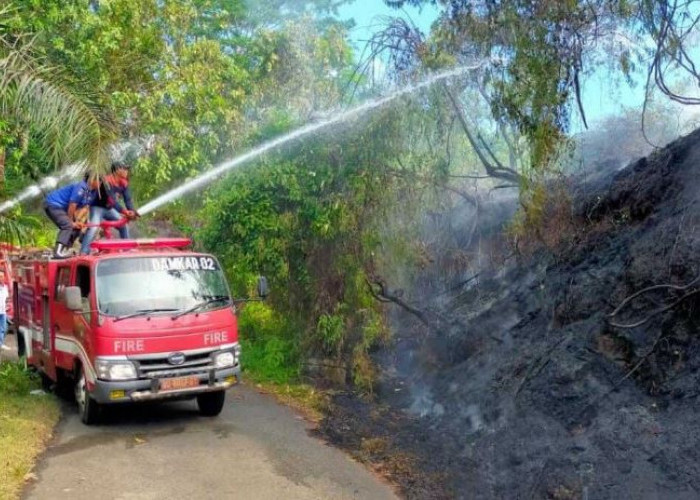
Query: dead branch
(383, 295)
(513, 153)
(404, 172)
(655, 313)
(651, 288)
(498, 171)
(664, 286)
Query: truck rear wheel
(88, 408)
(211, 403)
(22, 351)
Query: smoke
(617, 140)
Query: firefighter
(64, 206)
(107, 206)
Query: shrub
(268, 348)
(17, 380)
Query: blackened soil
(528, 390)
(393, 441)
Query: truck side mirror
(262, 287)
(72, 296)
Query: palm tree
(63, 116)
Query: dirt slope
(525, 390)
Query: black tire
(211, 403)
(88, 408)
(64, 385)
(46, 383)
(22, 351)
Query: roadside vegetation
(26, 424)
(177, 87)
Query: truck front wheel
(211, 403)
(88, 408)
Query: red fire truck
(135, 320)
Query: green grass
(26, 424)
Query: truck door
(62, 317)
(46, 319)
(81, 322)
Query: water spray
(46, 184)
(124, 151)
(306, 130)
(76, 169)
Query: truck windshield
(175, 283)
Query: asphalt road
(256, 449)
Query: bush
(17, 380)
(268, 348)
(272, 360)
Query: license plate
(173, 384)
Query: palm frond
(67, 120)
(18, 229)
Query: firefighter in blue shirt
(62, 206)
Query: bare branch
(500, 172)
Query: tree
(538, 53)
(41, 100)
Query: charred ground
(524, 388)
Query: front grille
(157, 366)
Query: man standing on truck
(63, 206)
(107, 205)
(4, 293)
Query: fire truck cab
(136, 320)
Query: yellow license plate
(173, 384)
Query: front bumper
(147, 389)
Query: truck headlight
(115, 370)
(224, 359)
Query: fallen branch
(649, 289)
(665, 286)
(655, 313)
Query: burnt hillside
(525, 389)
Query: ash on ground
(524, 388)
